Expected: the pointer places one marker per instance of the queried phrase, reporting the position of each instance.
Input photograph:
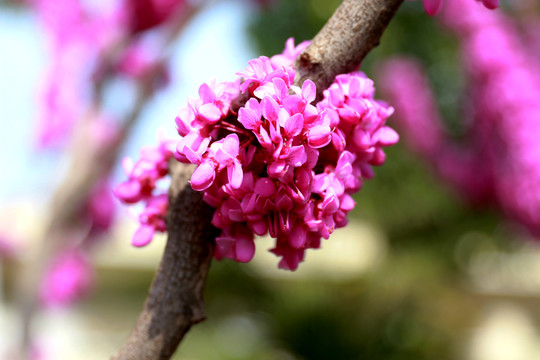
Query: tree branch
(350, 34)
(175, 301)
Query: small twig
(175, 301)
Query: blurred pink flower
(68, 279)
(500, 160)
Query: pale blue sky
(213, 46)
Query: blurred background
(425, 270)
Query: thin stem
(355, 28)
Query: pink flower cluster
(141, 186)
(282, 164)
(500, 161)
(434, 6)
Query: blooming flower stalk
(281, 164)
(499, 161)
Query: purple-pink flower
(281, 164)
(142, 186)
(498, 161)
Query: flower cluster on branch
(279, 164)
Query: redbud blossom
(280, 164)
(142, 186)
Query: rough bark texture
(175, 301)
(354, 29)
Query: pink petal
(127, 165)
(265, 187)
(491, 4)
(281, 88)
(206, 94)
(344, 164)
(277, 168)
(203, 176)
(235, 174)
(320, 183)
(265, 90)
(297, 238)
(224, 247)
(294, 104)
(355, 88)
(231, 145)
(143, 236)
(283, 202)
(433, 6)
(297, 156)
(244, 249)
(319, 136)
(270, 108)
(361, 138)
(249, 203)
(275, 134)
(338, 140)
(184, 119)
(290, 261)
(249, 118)
(348, 114)
(210, 112)
(284, 221)
(331, 203)
(260, 227)
(294, 124)
(336, 96)
(264, 138)
(309, 91)
(347, 203)
(378, 157)
(191, 155)
(386, 136)
(310, 114)
(128, 191)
